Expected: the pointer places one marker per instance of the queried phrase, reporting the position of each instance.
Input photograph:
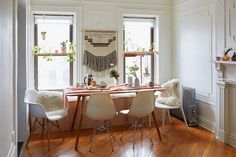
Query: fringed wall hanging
(99, 50)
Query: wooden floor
(178, 141)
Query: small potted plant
(146, 73)
(63, 46)
(43, 35)
(226, 57)
(114, 73)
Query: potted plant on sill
(43, 35)
(63, 46)
(146, 73)
(132, 71)
(115, 74)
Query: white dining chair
(142, 106)
(44, 118)
(171, 98)
(100, 108)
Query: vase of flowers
(115, 74)
(132, 71)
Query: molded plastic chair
(42, 117)
(100, 107)
(176, 105)
(142, 106)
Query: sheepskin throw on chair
(99, 50)
(171, 94)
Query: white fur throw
(51, 100)
(171, 94)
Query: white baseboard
(12, 151)
(206, 123)
(232, 140)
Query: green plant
(114, 73)
(36, 49)
(146, 70)
(227, 51)
(63, 44)
(48, 58)
(71, 56)
(132, 70)
(43, 34)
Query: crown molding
(73, 2)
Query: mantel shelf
(225, 62)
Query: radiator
(189, 105)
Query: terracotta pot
(225, 58)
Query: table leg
(155, 122)
(80, 122)
(75, 114)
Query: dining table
(82, 93)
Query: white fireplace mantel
(226, 71)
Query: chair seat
(123, 95)
(124, 111)
(165, 106)
(56, 115)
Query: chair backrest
(51, 100)
(100, 107)
(172, 95)
(35, 108)
(142, 105)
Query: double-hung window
(52, 70)
(139, 40)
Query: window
(139, 43)
(52, 70)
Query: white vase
(136, 82)
(130, 80)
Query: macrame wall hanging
(99, 50)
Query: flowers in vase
(113, 72)
(132, 70)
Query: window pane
(53, 74)
(55, 34)
(137, 35)
(138, 38)
(51, 31)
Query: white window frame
(77, 36)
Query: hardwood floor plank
(178, 141)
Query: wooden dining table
(82, 93)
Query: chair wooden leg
(48, 133)
(185, 121)
(93, 136)
(59, 128)
(43, 127)
(109, 134)
(156, 125)
(168, 111)
(163, 120)
(134, 131)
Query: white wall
(106, 15)
(8, 76)
(194, 48)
